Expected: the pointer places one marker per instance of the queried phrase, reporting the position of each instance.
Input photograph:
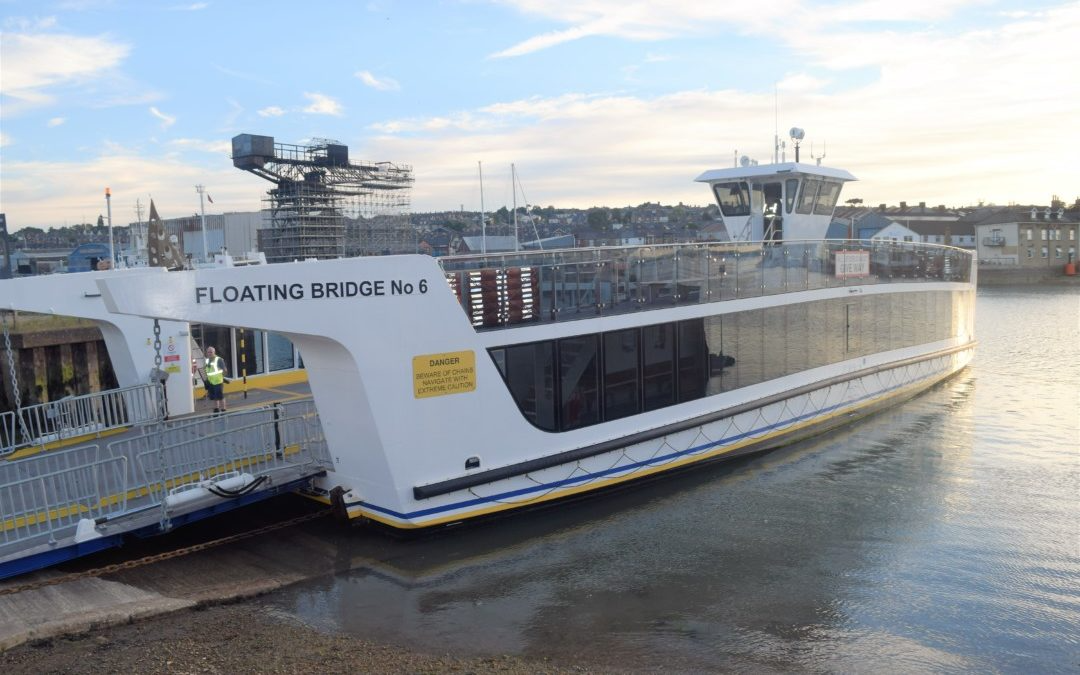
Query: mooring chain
(14, 381)
(158, 557)
(157, 344)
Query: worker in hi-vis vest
(215, 380)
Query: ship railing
(46, 496)
(499, 290)
(51, 505)
(74, 416)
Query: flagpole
(202, 209)
(108, 208)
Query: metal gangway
(56, 505)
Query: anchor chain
(158, 557)
(14, 380)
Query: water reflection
(719, 567)
(937, 536)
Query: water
(940, 536)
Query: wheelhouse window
(791, 187)
(826, 198)
(733, 198)
(809, 196)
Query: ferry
(454, 388)
(465, 386)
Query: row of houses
(1006, 236)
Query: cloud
(194, 7)
(801, 82)
(323, 105)
(35, 63)
(381, 84)
(946, 118)
(166, 120)
(72, 189)
(5, 140)
(271, 111)
(641, 21)
(55, 122)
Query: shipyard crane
(306, 203)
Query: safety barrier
(74, 416)
(51, 505)
(500, 290)
(48, 495)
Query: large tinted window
(529, 371)
(621, 385)
(658, 360)
(589, 379)
(693, 359)
(733, 198)
(579, 377)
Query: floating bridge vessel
(448, 389)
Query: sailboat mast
(483, 225)
(513, 190)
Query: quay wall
(52, 364)
(1017, 276)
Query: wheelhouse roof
(779, 170)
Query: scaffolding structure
(324, 206)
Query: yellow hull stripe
(359, 511)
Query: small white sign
(852, 264)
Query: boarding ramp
(60, 504)
(37, 426)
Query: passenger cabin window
(589, 379)
(733, 198)
(791, 187)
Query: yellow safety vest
(215, 371)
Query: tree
(599, 219)
(854, 201)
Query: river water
(940, 536)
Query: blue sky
(597, 102)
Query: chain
(165, 523)
(159, 557)
(16, 395)
(157, 344)
(11, 364)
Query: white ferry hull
(740, 430)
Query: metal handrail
(48, 494)
(74, 416)
(52, 504)
(583, 282)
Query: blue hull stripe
(584, 478)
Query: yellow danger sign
(444, 374)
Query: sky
(595, 102)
